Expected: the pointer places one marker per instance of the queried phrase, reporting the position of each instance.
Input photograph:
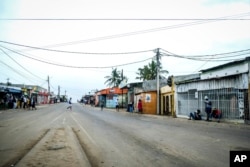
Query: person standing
(208, 107)
(70, 104)
(130, 108)
(139, 106)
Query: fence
(232, 102)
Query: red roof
(115, 90)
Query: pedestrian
(14, 102)
(139, 106)
(29, 103)
(117, 104)
(24, 102)
(33, 103)
(216, 113)
(102, 104)
(208, 107)
(195, 116)
(130, 107)
(70, 104)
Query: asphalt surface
(87, 136)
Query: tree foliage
(115, 79)
(149, 72)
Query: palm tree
(149, 72)
(116, 78)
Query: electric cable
(70, 66)
(116, 19)
(20, 65)
(14, 70)
(202, 21)
(210, 57)
(53, 50)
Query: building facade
(227, 87)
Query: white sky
(199, 39)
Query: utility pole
(48, 90)
(157, 80)
(48, 86)
(58, 92)
(122, 85)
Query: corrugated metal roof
(226, 65)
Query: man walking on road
(117, 104)
(70, 104)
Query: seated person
(195, 115)
(216, 113)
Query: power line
(22, 75)
(210, 57)
(63, 51)
(216, 54)
(70, 66)
(20, 64)
(120, 19)
(225, 18)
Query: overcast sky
(182, 27)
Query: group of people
(13, 102)
(131, 106)
(210, 113)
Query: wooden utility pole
(58, 92)
(157, 80)
(48, 86)
(48, 90)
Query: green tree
(115, 78)
(149, 72)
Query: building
(131, 96)
(110, 95)
(227, 86)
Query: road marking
(64, 120)
(90, 138)
(55, 119)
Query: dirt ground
(58, 148)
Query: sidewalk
(26, 109)
(213, 123)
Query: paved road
(87, 136)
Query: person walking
(70, 104)
(24, 102)
(208, 107)
(117, 104)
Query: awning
(11, 90)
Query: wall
(149, 102)
(229, 94)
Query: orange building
(149, 102)
(109, 95)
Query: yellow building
(167, 100)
